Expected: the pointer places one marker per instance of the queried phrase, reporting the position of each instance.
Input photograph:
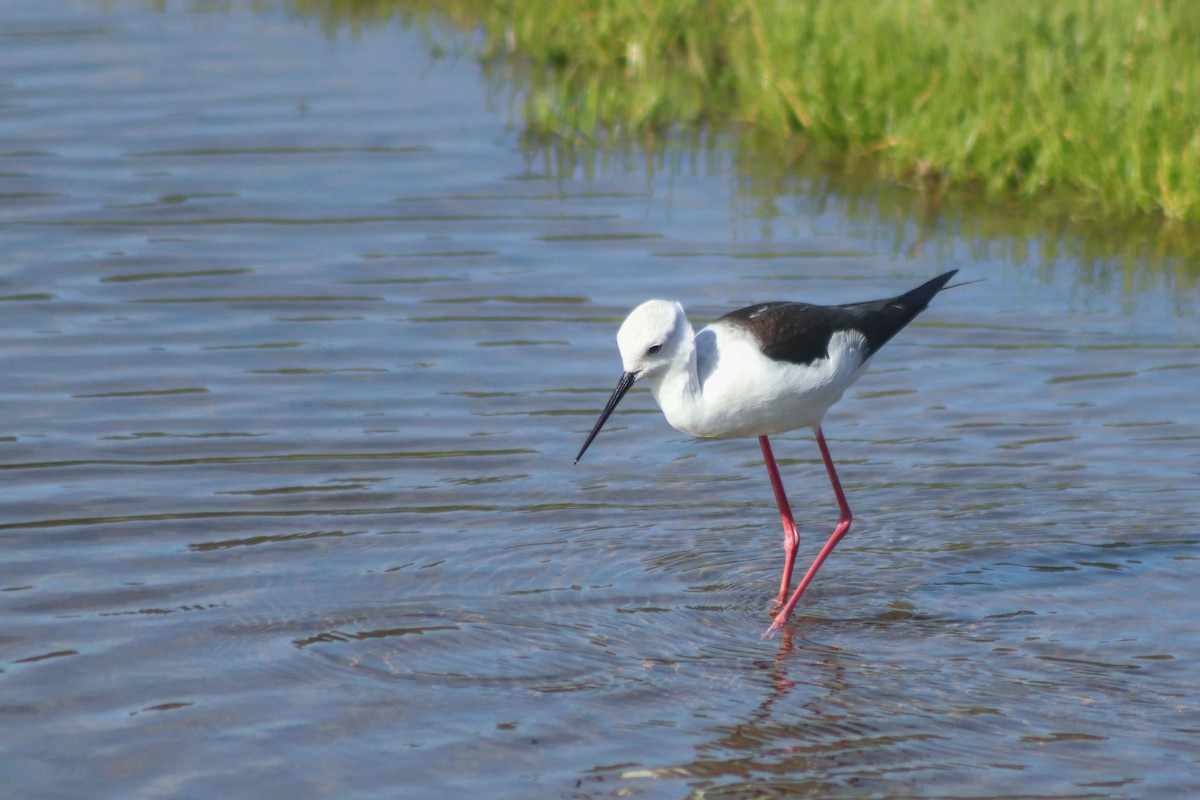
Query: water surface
(299, 342)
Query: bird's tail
(888, 317)
(919, 297)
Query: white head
(651, 337)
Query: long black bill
(623, 385)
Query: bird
(762, 370)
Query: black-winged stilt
(761, 370)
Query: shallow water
(298, 345)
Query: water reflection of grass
(1098, 99)
(586, 107)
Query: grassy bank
(1094, 101)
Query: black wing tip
(941, 280)
(963, 283)
(921, 295)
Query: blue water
(299, 342)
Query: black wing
(799, 332)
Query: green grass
(1096, 102)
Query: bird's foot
(776, 624)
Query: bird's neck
(677, 389)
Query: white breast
(744, 393)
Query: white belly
(744, 393)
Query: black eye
(653, 349)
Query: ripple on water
(471, 649)
(554, 640)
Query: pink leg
(791, 537)
(838, 532)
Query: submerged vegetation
(1093, 101)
